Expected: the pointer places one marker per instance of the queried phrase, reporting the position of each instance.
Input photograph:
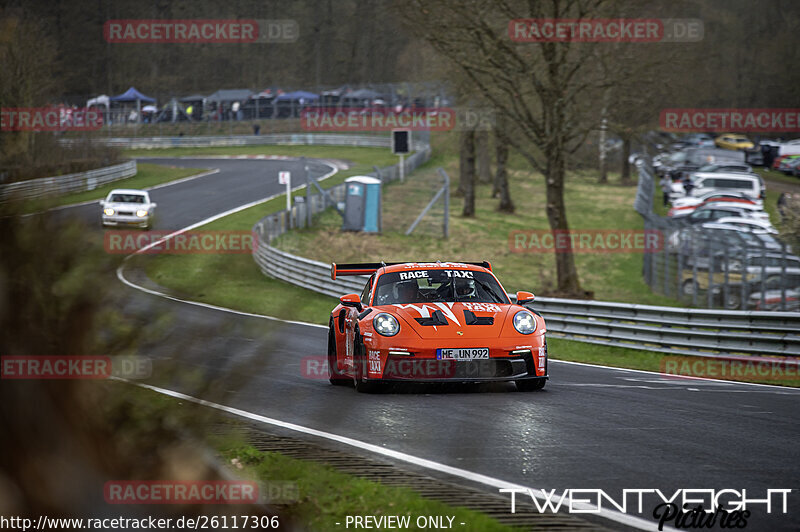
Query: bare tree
(543, 90)
(483, 156)
(467, 171)
(500, 185)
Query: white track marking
(184, 179)
(212, 307)
(120, 269)
(663, 375)
(628, 520)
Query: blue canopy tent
(132, 95)
(295, 99)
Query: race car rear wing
(367, 268)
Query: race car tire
(336, 377)
(530, 385)
(360, 370)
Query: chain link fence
(715, 268)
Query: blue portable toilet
(362, 204)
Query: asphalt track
(591, 427)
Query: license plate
(462, 353)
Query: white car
(740, 183)
(685, 205)
(747, 224)
(715, 211)
(128, 207)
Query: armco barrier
(310, 139)
(68, 183)
(676, 331)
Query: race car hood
(447, 320)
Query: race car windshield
(127, 198)
(438, 286)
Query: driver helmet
(465, 288)
(406, 291)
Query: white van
(746, 184)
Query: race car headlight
(108, 211)
(386, 324)
(141, 213)
(524, 322)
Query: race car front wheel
(530, 385)
(336, 377)
(360, 362)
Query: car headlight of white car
(141, 213)
(108, 211)
(524, 322)
(386, 324)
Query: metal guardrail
(676, 331)
(309, 139)
(68, 183)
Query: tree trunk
(603, 152)
(567, 274)
(603, 149)
(463, 140)
(626, 165)
(501, 177)
(483, 157)
(467, 174)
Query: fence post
(695, 285)
(308, 191)
(711, 248)
(783, 276)
(665, 259)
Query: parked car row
(721, 240)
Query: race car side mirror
(102, 203)
(352, 300)
(524, 297)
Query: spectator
(687, 185)
(783, 202)
(666, 187)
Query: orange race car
(434, 322)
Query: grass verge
(590, 206)
(327, 496)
